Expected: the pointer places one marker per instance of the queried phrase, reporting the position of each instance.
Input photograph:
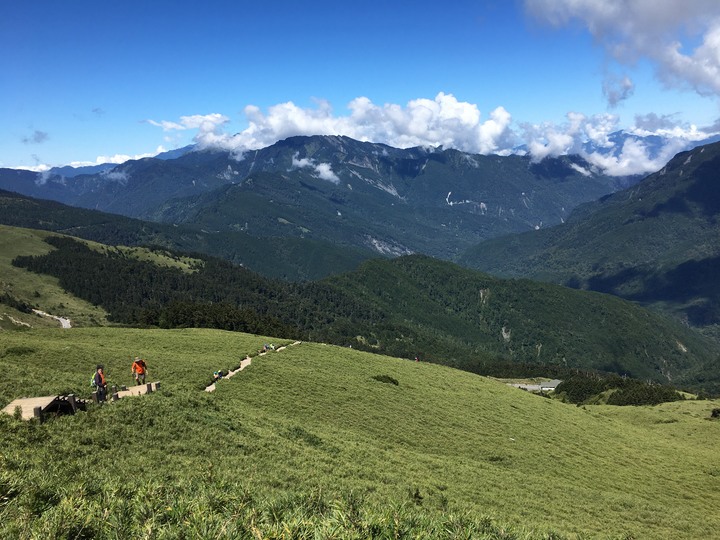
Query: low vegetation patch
(300, 434)
(613, 390)
(19, 351)
(13, 302)
(386, 379)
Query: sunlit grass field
(317, 441)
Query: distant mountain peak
(337, 189)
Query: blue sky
(82, 82)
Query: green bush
(386, 379)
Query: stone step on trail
(245, 363)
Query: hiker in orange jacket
(100, 383)
(138, 370)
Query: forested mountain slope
(657, 242)
(405, 307)
(294, 259)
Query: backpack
(92, 381)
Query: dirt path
(245, 363)
(65, 323)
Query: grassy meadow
(318, 441)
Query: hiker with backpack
(100, 384)
(138, 370)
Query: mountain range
(336, 189)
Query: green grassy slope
(36, 289)
(307, 441)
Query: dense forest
(413, 306)
(215, 294)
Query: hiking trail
(245, 362)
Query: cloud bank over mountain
(446, 121)
(442, 120)
(681, 40)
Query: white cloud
(666, 126)
(117, 159)
(630, 30)
(634, 158)
(322, 170)
(167, 126)
(209, 130)
(325, 172)
(441, 121)
(422, 122)
(202, 122)
(599, 127)
(548, 139)
(581, 170)
(43, 175)
(39, 168)
(617, 89)
(120, 177)
(554, 144)
(301, 163)
(590, 137)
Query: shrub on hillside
(644, 394)
(386, 379)
(11, 301)
(582, 387)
